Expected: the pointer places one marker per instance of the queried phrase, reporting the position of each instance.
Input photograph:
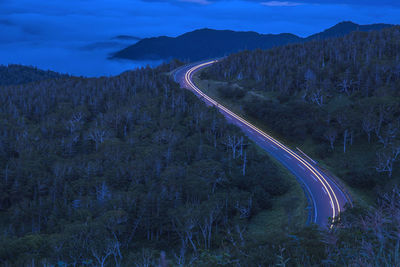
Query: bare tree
(331, 135)
(244, 164)
(102, 192)
(342, 119)
(317, 97)
(236, 144)
(244, 210)
(386, 158)
(345, 139)
(206, 226)
(388, 134)
(345, 86)
(101, 255)
(97, 136)
(185, 230)
(75, 122)
(368, 124)
(146, 259)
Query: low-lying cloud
(31, 24)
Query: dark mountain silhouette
(126, 38)
(204, 43)
(346, 27)
(208, 43)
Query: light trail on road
(316, 175)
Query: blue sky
(71, 24)
(89, 19)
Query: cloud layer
(24, 20)
(75, 23)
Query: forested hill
(339, 99)
(207, 43)
(114, 170)
(18, 74)
(133, 171)
(346, 27)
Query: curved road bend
(324, 194)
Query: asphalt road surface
(325, 196)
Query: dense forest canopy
(344, 93)
(99, 171)
(133, 171)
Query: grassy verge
(288, 211)
(209, 87)
(361, 197)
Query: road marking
(312, 176)
(261, 138)
(300, 166)
(325, 192)
(274, 147)
(286, 155)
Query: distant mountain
(345, 28)
(18, 74)
(208, 43)
(126, 38)
(112, 44)
(201, 44)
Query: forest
(338, 99)
(133, 171)
(112, 171)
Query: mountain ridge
(209, 43)
(346, 27)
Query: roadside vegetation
(114, 171)
(338, 100)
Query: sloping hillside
(18, 74)
(346, 27)
(337, 99)
(111, 168)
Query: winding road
(325, 196)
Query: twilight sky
(54, 33)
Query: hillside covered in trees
(132, 171)
(112, 171)
(18, 74)
(337, 99)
